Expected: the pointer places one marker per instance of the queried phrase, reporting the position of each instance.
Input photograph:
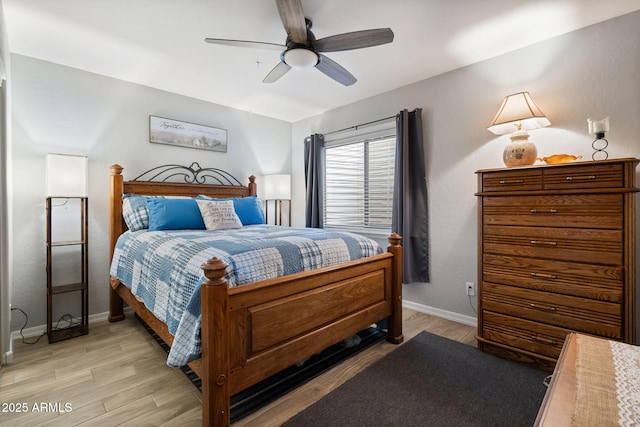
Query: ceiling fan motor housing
(298, 55)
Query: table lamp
(516, 116)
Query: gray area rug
(432, 381)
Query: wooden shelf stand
(82, 287)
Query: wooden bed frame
(253, 331)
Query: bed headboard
(159, 182)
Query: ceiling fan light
(300, 58)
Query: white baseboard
(449, 315)
(36, 331)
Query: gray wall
(58, 109)
(593, 72)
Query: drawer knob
(544, 211)
(544, 275)
(585, 177)
(511, 181)
(541, 242)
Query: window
(359, 184)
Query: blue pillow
(174, 214)
(248, 209)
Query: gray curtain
(409, 218)
(313, 179)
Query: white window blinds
(359, 184)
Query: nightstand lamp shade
(517, 115)
(277, 187)
(66, 175)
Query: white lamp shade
(518, 109)
(66, 175)
(277, 187)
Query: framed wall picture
(185, 134)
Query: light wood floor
(117, 375)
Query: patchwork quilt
(162, 268)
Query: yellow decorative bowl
(559, 158)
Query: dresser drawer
(512, 180)
(588, 176)
(523, 334)
(581, 314)
(577, 211)
(593, 281)
(564, 244)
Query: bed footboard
(254, 331)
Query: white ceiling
(160, 43)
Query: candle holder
(598, 128)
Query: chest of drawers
(556, 254)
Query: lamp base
(520, 152)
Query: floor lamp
(277, 189)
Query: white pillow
(219, 215)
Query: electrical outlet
(471, 289)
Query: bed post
(216, 397)
(253, 190)
(115, 203)
(394, 327)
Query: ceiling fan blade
(336, 71)
(354, 40)
(246, 43)
(278, 71)
(292, 17)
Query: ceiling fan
(302, 50)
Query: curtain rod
(360, 125)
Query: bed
(253, 331)
(595, 382)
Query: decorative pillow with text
(219, 215)
(249, 209)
